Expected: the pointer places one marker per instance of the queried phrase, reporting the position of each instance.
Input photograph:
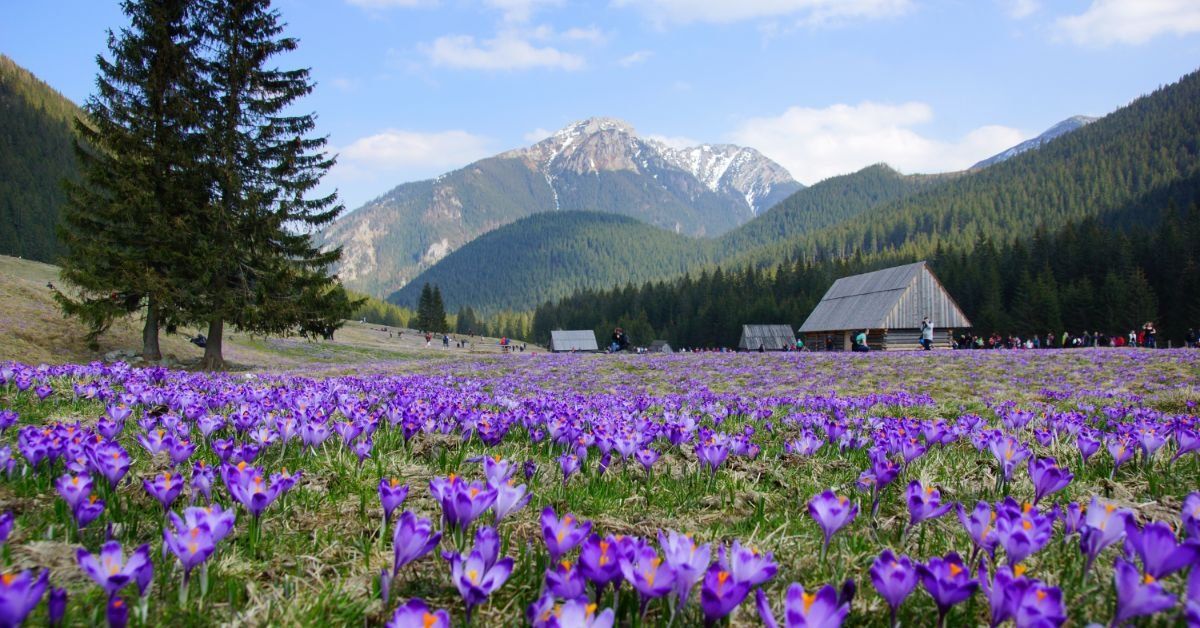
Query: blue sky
(408, 89)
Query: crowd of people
(1146, 337)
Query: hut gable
(769, 337)
(573, 340)
(892, 298)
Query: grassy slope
(33, 331)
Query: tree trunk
(150, 350)
(213, 361)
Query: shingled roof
(892, 298)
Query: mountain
(557, 253)
(541, 258)
(599, 164)
(36, 155)
(1074, 123)
(1121, 169)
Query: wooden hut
(660, 346)
(573, 340)
(890, 303)
(768, 337)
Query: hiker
(199, 341)
(619, 341)
(428, 339)
(829, 342)
(445, 341)
(926, 334)
(860, 342)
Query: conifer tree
(262, 273)
(130, 222)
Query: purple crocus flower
(569, 463)
(510, 498)
(721, 592)
(1103, 525)
(1040, 607)
(20, 594)
(391, 495)
(1009, 452)
(111, 460)
(1072, 518)
(248, 487)
(822, 609)
(832, 512)
(1121, 449)
(416, 614)
(712, 453)
(413, 538)
(74, 488)
(165, 488)
(924, 502)
(565, 581)
(1137, 595)
(1047, 478)
(1192, 607)
(1004, 592)
(478, 574)
(202, 480)
(1022, 530)
(647, 457)
(56, 606)
(686, 558)
(6, 526)
(747, 564)
(117, 613)
(530, 468)
(1088, 443)
(980, 526)
(87, 511)
(581, 614)
(1191, 516)
(894, 578)
(562, 535)
(947, 581)
(110, 569)
(497, 471)
(599, 561)
(646, 572)
(192, 545)
(1160, 553)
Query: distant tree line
(196, 202)
(1088, 276)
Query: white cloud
(519, 11)
(634, 58)
(724, 11)
(676, 141)
(537, 135)
(1108, 22)
(378, 162)
(398, 149)
(507, 51)
(815, 144)
(1018, 9)
(591, 34)
(389, 4)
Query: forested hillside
(36, 154)
(1117, 160)
(585, 267)
(550, 255)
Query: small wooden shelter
(767, 337)
(890, 303)
(660, 346)
(573, 340)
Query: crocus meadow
(1025, 489)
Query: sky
(409, 89)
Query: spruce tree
(131, 220)
(424, 308)
(263, 272)
(437, 312)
